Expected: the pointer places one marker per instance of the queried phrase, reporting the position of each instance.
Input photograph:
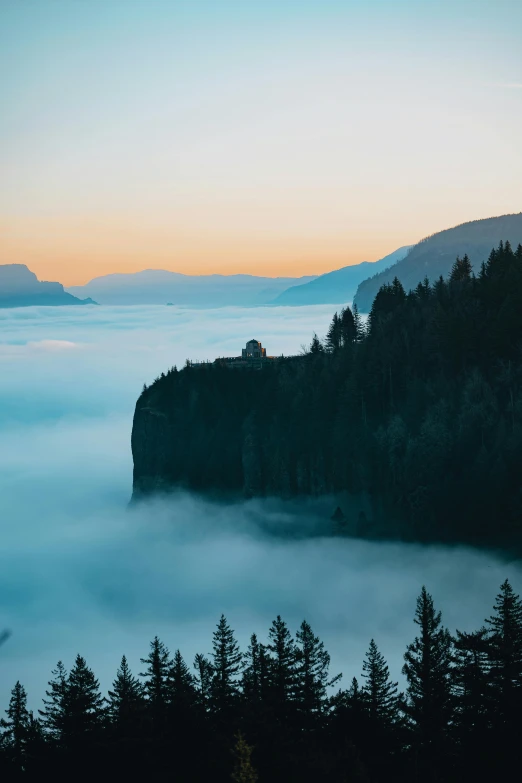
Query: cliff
(422, 415)
(19, 287)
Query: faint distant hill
(435, 255)
(158, 286)
(339, 286)
(19, 287)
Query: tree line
(275, 712)
(416, 415)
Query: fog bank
(79, 572)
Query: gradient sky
(273, 137)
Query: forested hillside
(275, 713)
(421, 413)
(434, 256)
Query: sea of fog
(79, 572)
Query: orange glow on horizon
(74, 251)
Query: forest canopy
(275, 712)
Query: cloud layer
(79, 572)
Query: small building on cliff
(253, 356)
(253, 350)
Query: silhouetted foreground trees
(272, 713)
(417, 416)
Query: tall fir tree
(157, 683)
(381, 693)
(333, 339)
(473, 700)
(282, 662)
(348, 327)
(316, 345)
(183, 694)
(86, 705)
(17, 728)
(126, 701)
(312, 680)
(505, 654)
(226, 666)
(55, 713)
(252, 683)
(204, 676)
(428, 670)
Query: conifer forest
(416, 415)
(275, 711)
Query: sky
(270, 137)
(81, 573)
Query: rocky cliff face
(19, 287)
(151, 443)
(232, 431)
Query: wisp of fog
(80, 572)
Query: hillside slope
(339, 286)
(435, 255)
(19, 287)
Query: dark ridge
(434, 255)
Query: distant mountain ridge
(434, 256)
(19, 287)
(339, 286)
(159, 286)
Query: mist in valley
(80, 571)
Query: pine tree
(55, 714)
(428, 668)
(226, 666)
(17, 727)
(243, 772)
(204, 676)
(281, 648)
(381, 694)
(182, 684)
(126, 701)
(157, 686)
(348, 327)
(334, 335)
(252, 680)
(472, 696)
(461, 270)
(360, 330)
(316, 345)
(312, 664)
(85, 704)
(505, 653)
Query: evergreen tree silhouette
(312, 663)
(226, 666)
(85, 705)
(505, 658)
(381, 694)
(55, 714)
(333, 339)
(157, 687)
(282, 662)
(316, 345)
(16, 729)
(126, 701)
(204, 676)
(348, 327)
(428, 670)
